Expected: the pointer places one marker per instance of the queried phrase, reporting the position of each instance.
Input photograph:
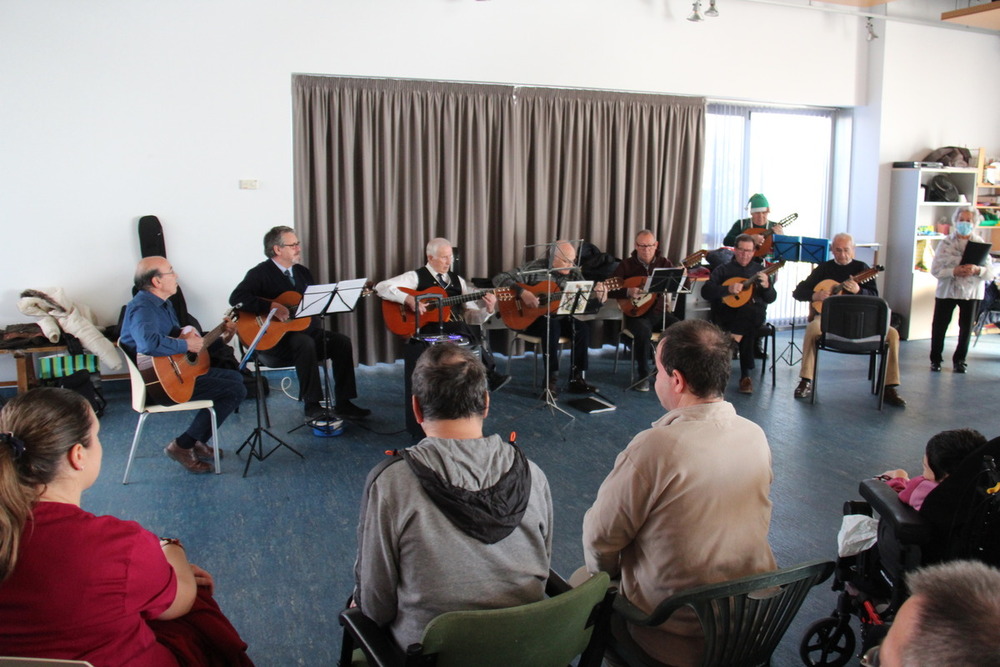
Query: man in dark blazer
(257, 292)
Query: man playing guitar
(649, 316)
(436, 276)
(745, 320)
(561, 260)
(841, 272)
(755, 225)
(150, 328)
(258, 291)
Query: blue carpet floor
(281, 542)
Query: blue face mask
(964, 228)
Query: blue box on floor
(787, 247)
(815, 250)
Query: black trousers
(304, 350)
(563, 326)
(943, 310)
(744, 321)
(642, 329)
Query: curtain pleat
(382, 166)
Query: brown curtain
(382, 166)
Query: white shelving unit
(913, 238)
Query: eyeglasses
(870, 658)
(166, 273)
(743, 249)
(645, 245)
(291, 245)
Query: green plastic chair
(551, 632)
(743, 619)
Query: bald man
(150, 327)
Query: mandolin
(737, 300)
(768, 234)
(516, 315)
(402, 321)
(170, 380)
(834, 288)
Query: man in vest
(437, 272)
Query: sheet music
(569, 303)
(348, 293)
(339, 297)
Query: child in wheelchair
(951, 511)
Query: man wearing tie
(281, 273)
(437, 272)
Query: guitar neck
(460, 298)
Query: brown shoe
(805, 388)
(206, 452)
(186, 457)
(892, 397)
(746, 385)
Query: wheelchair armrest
(375, 641)
(907, 524)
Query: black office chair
(856, 324)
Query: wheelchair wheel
(828, 642)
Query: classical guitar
(248, 324)
(640, 304)
(170, 380)
(402, 321)
(518, 316)
(768, 234)
(737, 300)
(834, 288)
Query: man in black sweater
(840, 269)
(281, 273)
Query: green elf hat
(757, 203)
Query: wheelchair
(960, 519)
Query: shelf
(943, 203)
(986, 16)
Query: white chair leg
(135, 442)
(215, 441)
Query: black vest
(426, 280)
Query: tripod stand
(256, 439)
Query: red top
(83, 588)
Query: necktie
(288, 274)
(442, 281)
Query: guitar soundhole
(191, 357)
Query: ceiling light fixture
(712, 10)
(696, 12)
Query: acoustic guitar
(834, 288)
(739, 299)
(641, 303)
(248, 324)
(170, 380)
(768, 234)
(518, 316)
(402, 321)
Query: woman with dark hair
(79, 586)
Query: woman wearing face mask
(959, 285)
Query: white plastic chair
(139, 405)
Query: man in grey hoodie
(458, 521)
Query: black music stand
(256, 439)
(788, 248)
(663, 282)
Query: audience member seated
(686, 503)
(84, 587)
(458, 521)
(951, 618)
(943, 454)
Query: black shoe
(496, 381)
(805, 388)
(893, 398)
(759, 352)
(314, 410)
(347, 410)
(935, 366)
(960, 366)
(552, 384)
(578, 385)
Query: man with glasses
(743, 322)
(281, 272)
(950, 618)
(641, 263)
(840, 269)
(150, 328)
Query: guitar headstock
(694, 259)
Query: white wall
(113, 109)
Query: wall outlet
(249, 184)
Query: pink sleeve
(152, 582)
(916, 491)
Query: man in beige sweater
(687, 501)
